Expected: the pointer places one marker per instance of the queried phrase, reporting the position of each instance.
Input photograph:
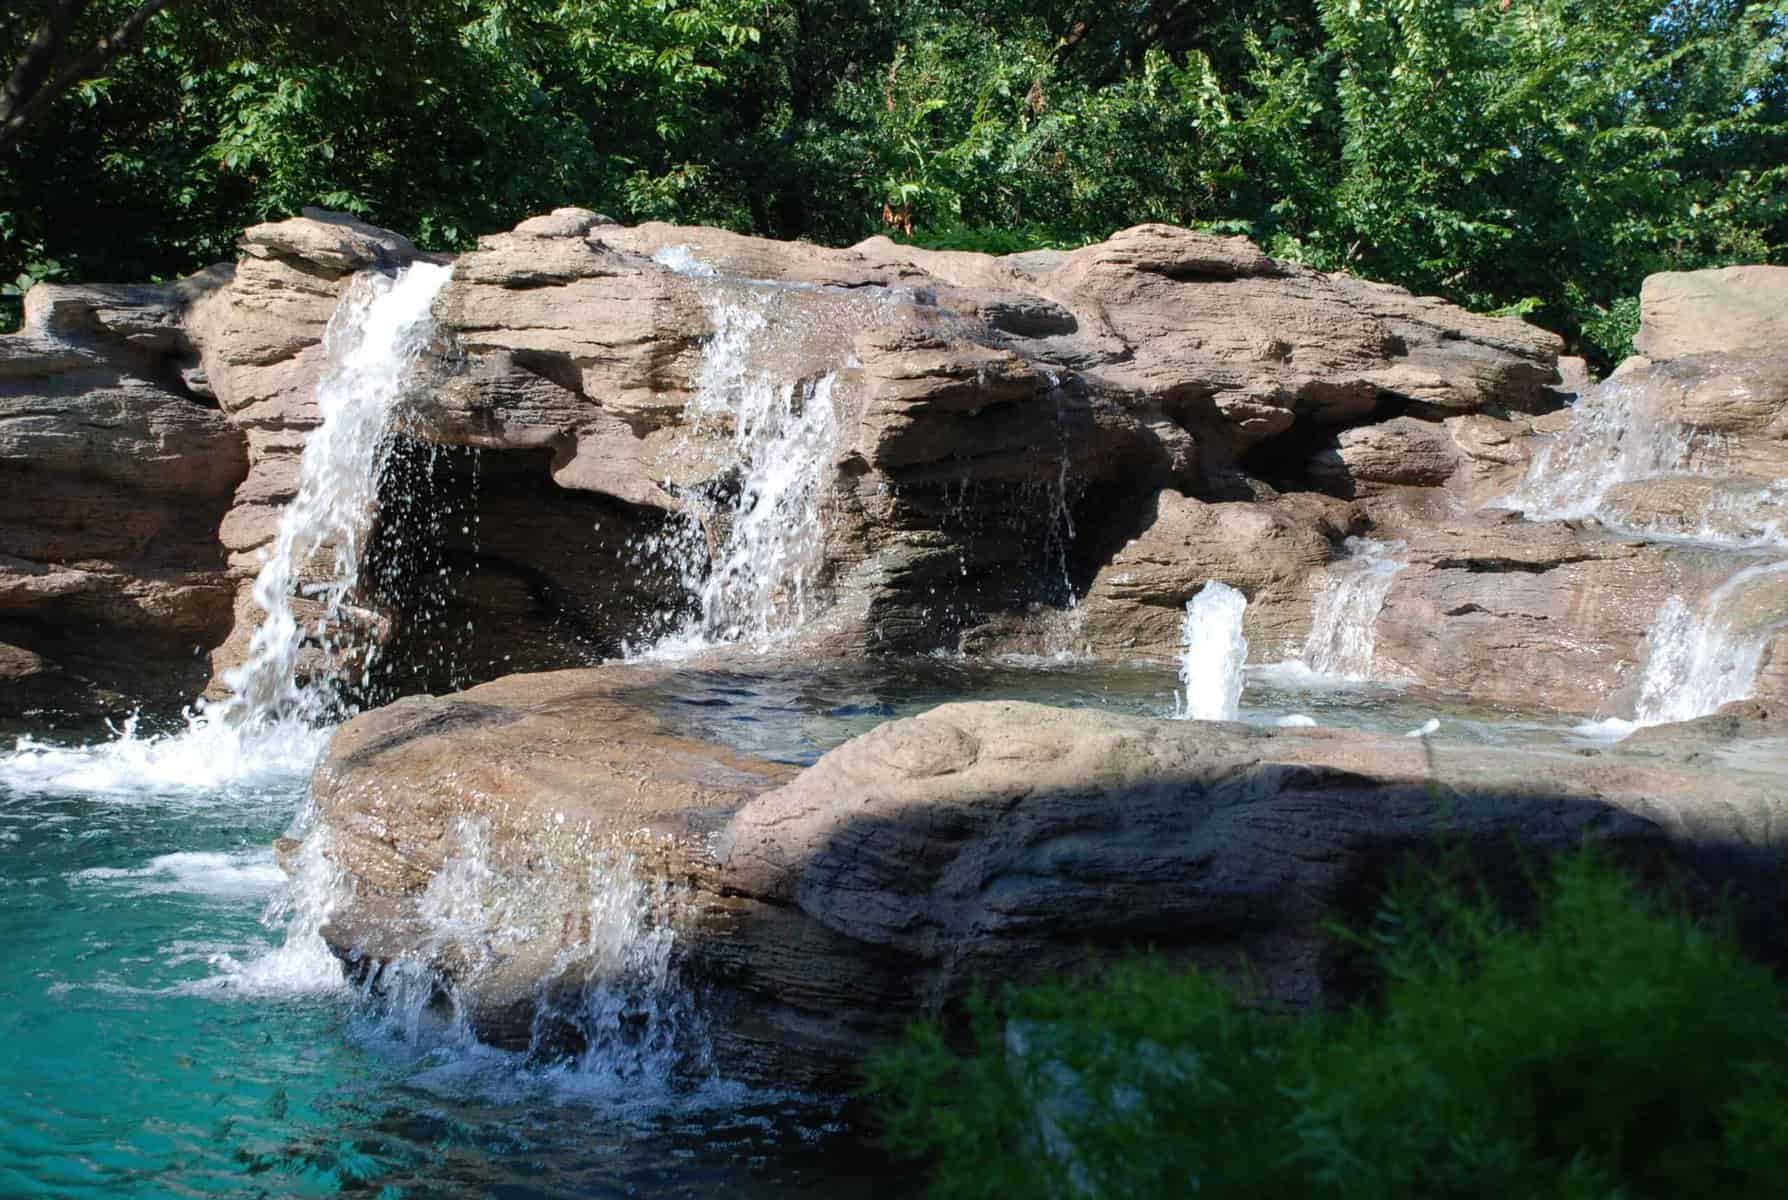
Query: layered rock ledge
(1042, 452)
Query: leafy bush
(1504, 153)
(1611, 1047)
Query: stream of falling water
(1604, 445)
(1343, 637)
(266, 735)
(756, 583)
(1703, 658)
(1215, 654)
(381, 326)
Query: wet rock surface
(815, 915)
(1046, 453)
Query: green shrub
(1609, 1047)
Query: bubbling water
(1343, 636)
(1211, 665)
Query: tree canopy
(1539, 156)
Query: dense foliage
(1611, 1049)
(1536, 155)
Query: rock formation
(622, 437)
(1001, 841)
(1044, 452)
(116, 470)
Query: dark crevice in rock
(1505, 566)
(487, 567)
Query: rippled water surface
(153, 1041)
(149, 1048)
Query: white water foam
(208, 759)
(216, 874)
(1211, 664)
(302, 964)
(1701, 659)
(757, 586)
(1343, 637)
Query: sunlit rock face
(656, 441)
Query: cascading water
(1609, 440)
(757, 584)
(379, 329)
(1700, 655)
(1342, 637)
(276, 719)
(1215, 654)
(613, 1017)
(1700, 660)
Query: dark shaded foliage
(1607, 1046)
(1538, 156)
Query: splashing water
(758, 585)
(1343, 637)
(1215, 654)
(379, 329)
(611, 1017)
(1701, 660)
(268, 734)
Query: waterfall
(275, 722)
(611, 1008)
(1215, 654)
(379, 329)
(1614, 438)
(1608, 441)
(1701, 659)
(1342, 636)
(757, 582)
(1701, 655)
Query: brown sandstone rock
(978, 842)
(557, 783)
(1268, 551)
(1698, 312)
(114, 476)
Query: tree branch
(27, 92)
(1077, 33)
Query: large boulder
(1702, 312)
(553, 795)
(977, 843)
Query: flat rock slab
(540, 789)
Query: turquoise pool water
(159, 1038)
(155, 1041)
